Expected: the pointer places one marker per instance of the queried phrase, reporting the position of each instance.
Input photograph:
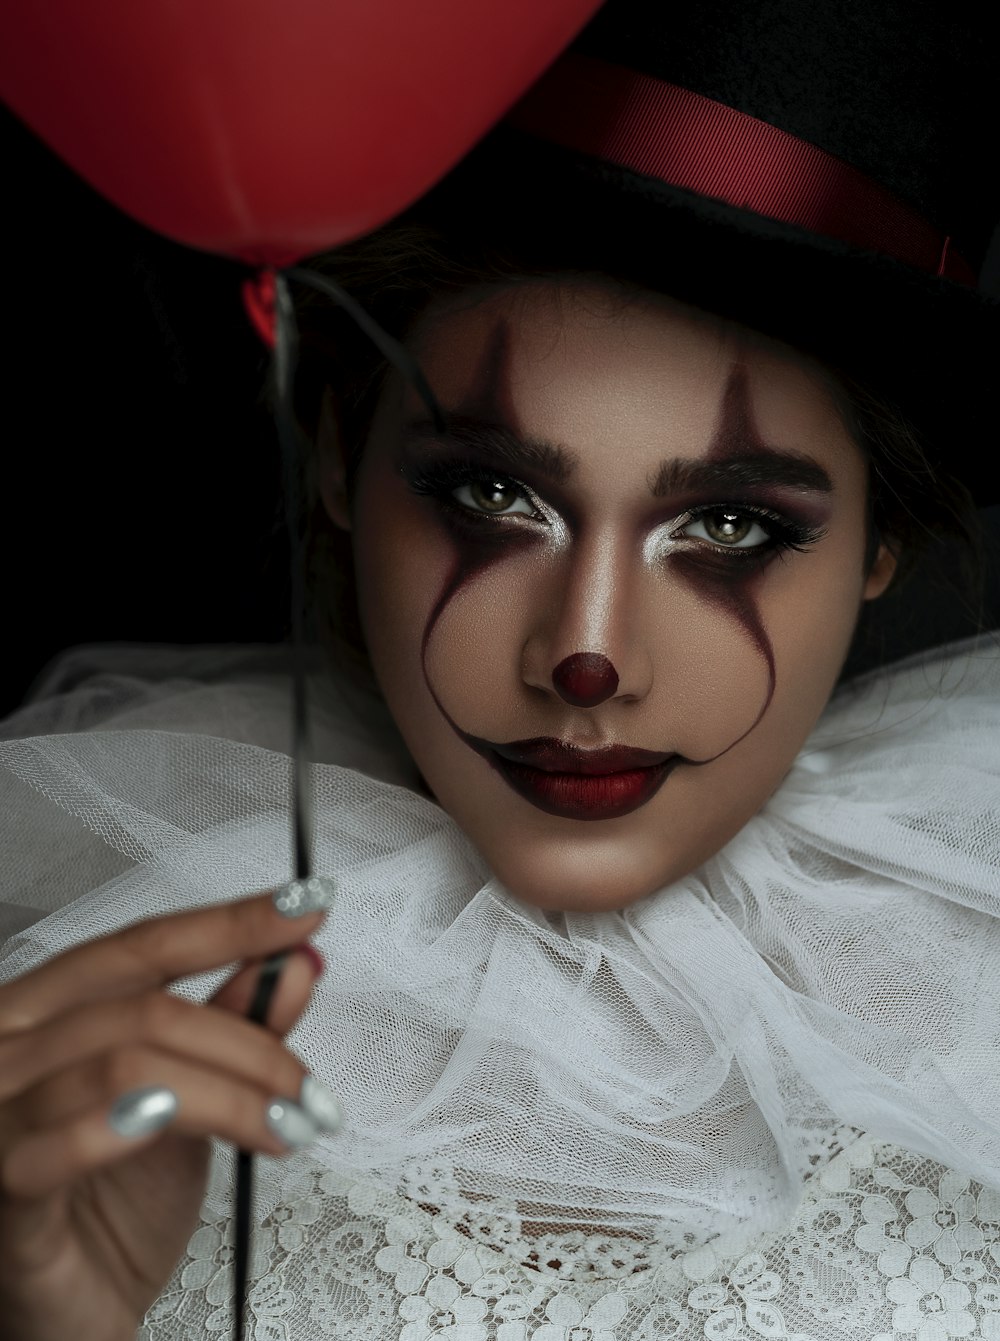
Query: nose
(585, 679)
(587, 641)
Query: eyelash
(784, 534)
(440, 481)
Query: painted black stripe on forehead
(489, 397)
(738, 455)
(486, 423)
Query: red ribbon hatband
(684, 139)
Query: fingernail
(321, 1104)
(299, 897)
(313, 955)
(143, 1111)
(290, 1124)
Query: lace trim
(885, 1244)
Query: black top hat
(817, 169)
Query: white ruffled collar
(663, 1071)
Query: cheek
(812, 621)
(474, 652)
(715, 664)
(400, 566)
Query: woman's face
(608, 604)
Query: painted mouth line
(585, 795)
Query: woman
(657, 991)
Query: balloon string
(285, 356)
(266, 983)
(285, 350)
(390, 349)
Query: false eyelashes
(784, 533)
(440, 479)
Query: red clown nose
(585, 679)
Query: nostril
(585, 679)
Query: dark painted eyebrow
(752, 468)
(499, 442)
(772, 466)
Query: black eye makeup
(474, 494)
(727, 527)
(466, 487)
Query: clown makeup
(608, 604)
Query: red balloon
(272, 129)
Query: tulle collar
(665, 1071)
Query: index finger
(152, 953)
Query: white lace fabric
(614, 1123)
(884, 1244)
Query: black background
(140, 467)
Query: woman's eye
(726, 526)
(496, 496)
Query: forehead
(593, 365)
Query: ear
(880, 574)
(332, 465)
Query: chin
(576, 879)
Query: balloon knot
(258, 299)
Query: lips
(578, 783)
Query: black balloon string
(285, 349)
(293, 455)
(390, 349)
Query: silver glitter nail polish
(321, 1104)
(143, 1111)
(299, 897)
(290, 1123)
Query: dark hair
(395, 272)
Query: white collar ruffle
(663, 1071)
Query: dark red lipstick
(578, 783)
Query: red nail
(313, 955)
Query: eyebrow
(759, 466)
(770, 465)
(499, 442)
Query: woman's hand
(93, 1221)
